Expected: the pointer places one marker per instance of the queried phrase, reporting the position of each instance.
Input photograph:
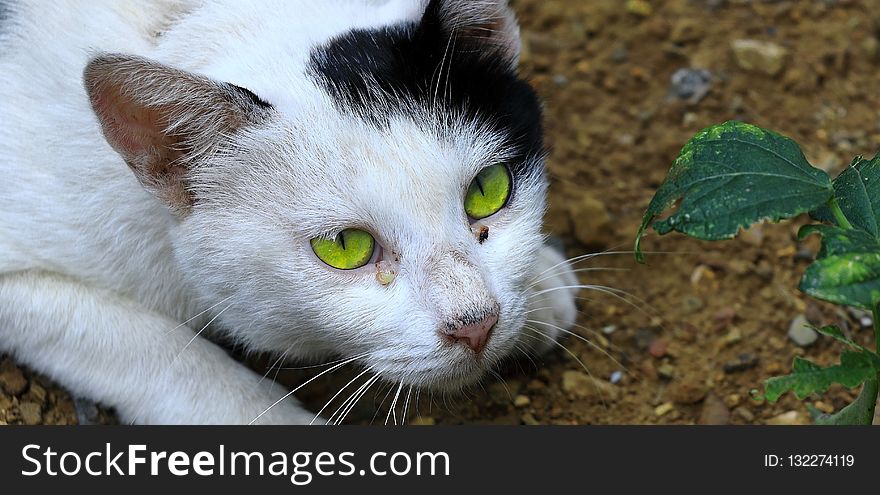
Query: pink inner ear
(132, 129)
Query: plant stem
(838, 214)
(876, 314)
(871, 386)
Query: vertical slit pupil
(342, 240)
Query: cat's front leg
(552, 310)
(111, 350)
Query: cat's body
(107, 276)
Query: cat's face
(431, 265)
(384, 152)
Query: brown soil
(704, 323)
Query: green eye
(488, 192)
(351, 249)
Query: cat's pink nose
(474, 335)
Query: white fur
(100, 281)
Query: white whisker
(573, 355)
(366, 387)
(318, 414)
(200, 314)
(310, 380)
(584, 339)
(611, 291)
(193, 339)
(379, 407)
(406, 405)
(578, 270)
(391, 411)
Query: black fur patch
(377, 72)
(250, 96)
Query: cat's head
(385, 204)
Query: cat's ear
(161, 119)
(489, 25)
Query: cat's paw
(552, 309)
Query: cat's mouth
(452, 365)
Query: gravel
(801, 333)
(690, 85)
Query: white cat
(375, 193)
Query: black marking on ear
(380, 72)
(250, 96)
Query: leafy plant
(733, 175)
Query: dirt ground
(702, 323)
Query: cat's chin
(453, 372)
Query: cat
(314, 180)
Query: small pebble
(789, 418)
(730, 338)
(664, 409)
(423, 421)
(609, 329)
(657, 348)
(666, 371)
(744, 413)
(36, 393)
(535, 385)
(12, 380)
(521, 401)
(688, 390)
(714, 412)
(759, 56)
(529, 419)
(640, 8)
(700, 273)
(31, 413)
(800, 333)
(732, 400)
(581, 385)
(616, 377)
(726, 316)
(690, 85)
(776, 343)
(745, 361)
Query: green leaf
(807, 377)
(836, 240)
(870, 172)
(733, 175)
(847, 269)
(860, 412)
(835, 333)
(854, 198)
